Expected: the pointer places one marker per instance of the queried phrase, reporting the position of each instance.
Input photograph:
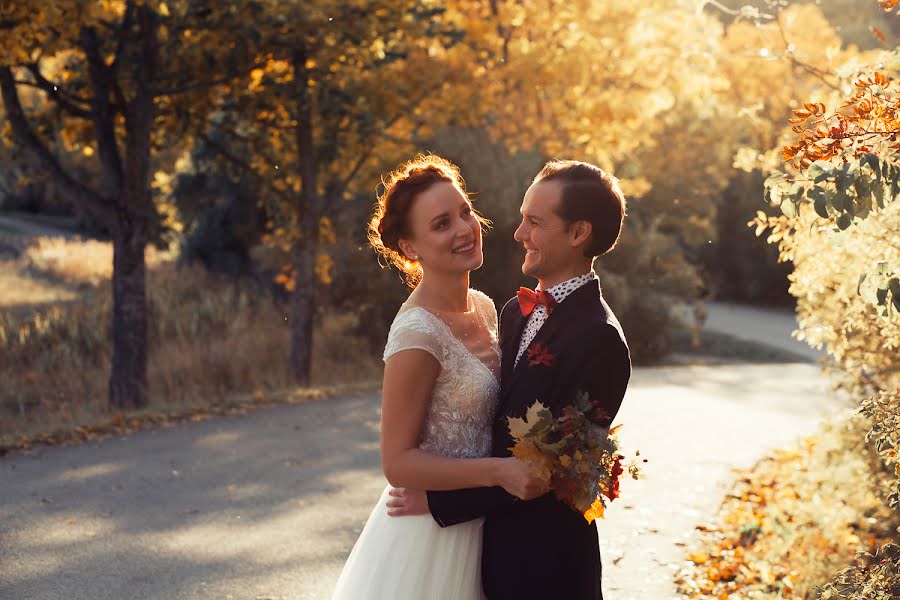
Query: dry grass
(56, 269)
(79, 262)
(210, 339)
(20, 289)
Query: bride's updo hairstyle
(390, 219)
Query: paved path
(770, 327)
(27, 227)
(268, 505)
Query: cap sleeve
(414, 329)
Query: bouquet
(576, 452)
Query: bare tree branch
(258, 150)
(65, 100)
(344, 183)
(103, 111)
(812, 70)
(242, 164)
(71, 189)
(193, 86)
(123, 30)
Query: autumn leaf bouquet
(577, 452)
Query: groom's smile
(549, 256)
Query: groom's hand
(405, 502)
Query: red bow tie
(528, 299)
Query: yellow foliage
(326, 231)
(324, 268)
(792, 521)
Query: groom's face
(545, 235)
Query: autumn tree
(838, 194)
(607, 83)
(116, 81)
(337, 94)
(624, 86)
(839, 223)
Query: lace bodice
(458, 420)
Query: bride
(441, 379)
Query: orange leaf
(699, 557)
(595, 512)
(789, 152)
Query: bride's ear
(407, 249)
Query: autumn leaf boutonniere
(539, 354)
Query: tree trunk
(128, 379)
(308, 208)
(303, 309)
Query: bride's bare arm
(409, 378)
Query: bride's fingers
(396, 492)
(395, 504)
(397, 509)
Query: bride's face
(444, 233)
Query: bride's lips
(465, 248)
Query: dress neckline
(494, 346)
(469, 300)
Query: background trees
(116, 83)
(338, 91)
(264, 127)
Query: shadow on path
(217, 509)
(269, 504)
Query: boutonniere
(539, 354)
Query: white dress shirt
(539, 316)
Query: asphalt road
(770, 327)
(267, 505)
(15, 224)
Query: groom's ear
(580, 233)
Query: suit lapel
(561, 316)
(511, 342)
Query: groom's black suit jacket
(543, 549)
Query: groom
(556, 342)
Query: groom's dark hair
(589, 194)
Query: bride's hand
(520, 480)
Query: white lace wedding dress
(412, 558)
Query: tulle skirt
(412, 558)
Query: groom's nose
(520, 233)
